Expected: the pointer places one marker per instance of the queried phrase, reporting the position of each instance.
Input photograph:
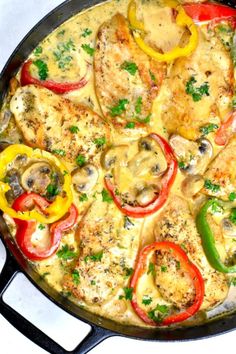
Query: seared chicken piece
(45, 119)
(176, 224)
(200, 88)
(109, 244)
(123, 73)
(220, 177)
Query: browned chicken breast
(126, 79)
(176, 224)
(220, 177)
(109, 243)
(200, 88)
(47, 120)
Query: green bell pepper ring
(208, 240)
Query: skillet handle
(93, 338)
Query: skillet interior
(43, 28)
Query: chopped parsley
(86, 32)
(75, 277)
(182, 165)
(177, 265)
(59, 152)
(138, 105)
(119, 108)
(232, 216)
(88, 49)
(158, 313)
(144, 120)
(93, 282)
(153, 77)
(151, 269)
(146, 300)
(83, 197)
(41, 227)
(128, 272)
(205, 130)
(130, 125)
(128, 224)
(196, 92)
(74, 129)
(80, 160)
(232, 281)
(96, 257)
(62, 56)
(100, 141)
(164, 268)
(38, 51)
(216, 207)
(129, 66)
(232, 196)
(106, 196)
(42, 69)
(65, 253)
(52, 190)
(128, 293)
(211, 186)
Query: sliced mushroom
(191, 185)
(194, 155)
(37, 177)
(146, 195)
(229, 229)
(13, 179)
(85, 178)
(112, 155)
(5, 117)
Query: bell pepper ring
(53, 211)
(210, 12)
(57, 87)
(226, 130)
(182, 19)
(186, 265)
(25, 229)
(166, 184)
(208, 240)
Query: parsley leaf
(144, 120)
(164, 268)
(74, 129)
(106, 196)
(80, 160)
(153, 77)
(42, 68)
(83, 197)
(196, 92)
(59, 152)
(65, 253)
(52, 190)
(208, 128)
(130, 125)
(100, 141)
(119, 108)
(88, 49)
(38, 51)
(129, 66)
(128, 272)
(128, 293)
(211, 186)
(86, 32)
(146, 300)
(75, 277)
(151, 269)
(96, 257)
(41, 227)
(61, 55)
(232, 196)
(216, 207)
(138, 105)
(232, 216)
(158, 313)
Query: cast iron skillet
(101, 328)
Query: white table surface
(16, 19)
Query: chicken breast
(109, 244)
(126, 79)
(176, 224)
(200, 88)
(220, 177)
(46, 121)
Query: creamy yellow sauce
(67, 61)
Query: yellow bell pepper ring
(57, 208)
(182, 19)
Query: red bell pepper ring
(185, 264)
(25, 229)
(166, 183)
(57, 87)
(226, 130)
(210, 12)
